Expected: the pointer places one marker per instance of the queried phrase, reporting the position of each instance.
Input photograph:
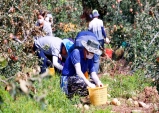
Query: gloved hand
(96, 79)
(99, 84)
(60, 57)
(107, 40)
(91, 85)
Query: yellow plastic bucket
(52, 71)
(98, 95)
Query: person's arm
(93, 74)
(75, 59)
(90, 27)
(96, 79)
(80, 74)
(103, 32)
(56, 63)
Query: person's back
(47, 28)
(52, 51)
(50, 45)
(96, 27)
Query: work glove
(91, 85)
(60, 57)
(96, 79)
(80, 74)
(107, 40)
(99, 84)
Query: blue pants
(96, 57)
(96, 60)
(101, 42)
(45, 62)
(64, 84)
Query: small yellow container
(98, 95)
(52, 71)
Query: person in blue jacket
(73, 80)
(87, 35)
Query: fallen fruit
(116, 102)
(23, 86)
(86, 107)
(9, 50)
(80, 105)
(5, 41)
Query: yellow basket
(98, 95)
(52, 71)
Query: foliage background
(138, 28)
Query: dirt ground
(148, 100)
(111, 67)
(125, 109)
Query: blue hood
(69, 45)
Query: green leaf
(3, 62)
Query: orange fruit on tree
(12, 57)
(121, 11)
(9, 50)
(11, 35)
(141, 4)
(115, 28)
(121, 26)
(5, 41)
(113, 6)
(15, 58)
(131, 10)
(118, 1)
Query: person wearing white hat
(96, 26)
(73, 80)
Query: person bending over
(55, 47)
(73, 80)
